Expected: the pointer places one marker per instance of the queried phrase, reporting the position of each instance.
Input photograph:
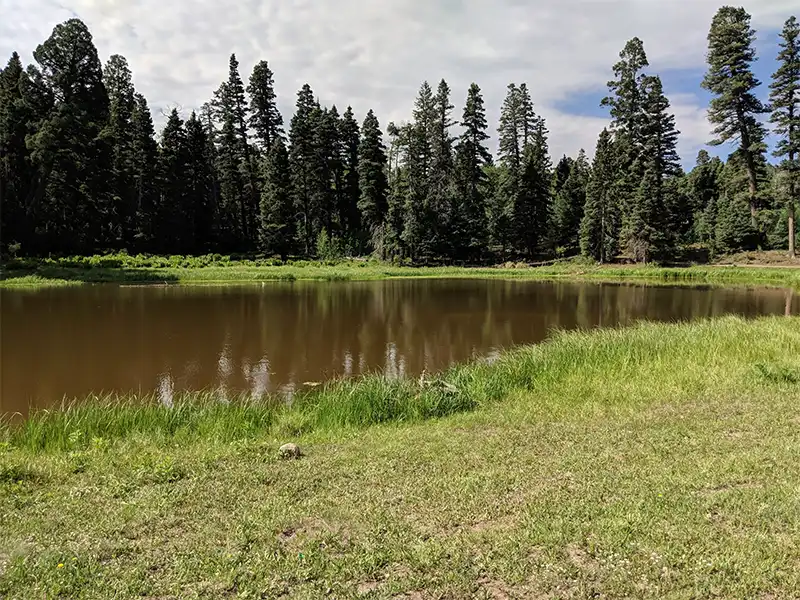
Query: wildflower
(60, 565)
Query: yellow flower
(60, 565)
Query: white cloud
(375, 54)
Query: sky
(376, 53)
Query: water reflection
(276, 337)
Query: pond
(275, 337)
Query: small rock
(290, 451)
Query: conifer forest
(82, 169)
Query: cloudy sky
(375, 53)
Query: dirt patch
(367, 587)
(769, 258)
(310, 529)
(495, 589)
(732, 486)
(581, 559)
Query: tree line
(81, 170)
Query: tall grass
(660, 356)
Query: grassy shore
(214, 269)
(658, 461)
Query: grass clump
(656, 461)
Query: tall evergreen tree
(419, 218)
(533, 205)
(626, 101)
(572, 177)
(301, 164)
(498, 208)
(326, 172)
(349, 193)
(15, 170)
(734, 229)
(119, 135)
(173, 227)
(277, 230)
(236, 164)
(785, 100)
(372, 182)
(511, 149)
(265, 119)
(600, 223)
(735, 108)
(511, 144)
(199, 181)
(390, 242)
(703, 188)
(71, 196)
(441, 191)
(472, 157)
(145, 174)
(649, 235)
(561, 173)
(522, 200)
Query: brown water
(72, 342)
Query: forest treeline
(81, 169)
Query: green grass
(657, 461)
(216, 269)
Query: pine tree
(15, 170)
(532, 207)
(561, 173)
(472, 157)
(649, 217)
(349, 140)
(119, 135)
(626, 100)
(498, 208)
(301, 164)
(326, 173)
(172, 222)
(198, 177)
(372, 181)
(441, 191)
(600, 223)
(145, 174)
(734, 230)
(389, 242)
(265, 118)
(71, 198)
(419, 229)
(218, 222)
(511, 144)
(511, 149)
(349, 194)
(785, 100)
(236, 164)
(735, 108)
(572, 177)
(703, 189)
(277, 230)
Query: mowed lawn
(658, 461)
